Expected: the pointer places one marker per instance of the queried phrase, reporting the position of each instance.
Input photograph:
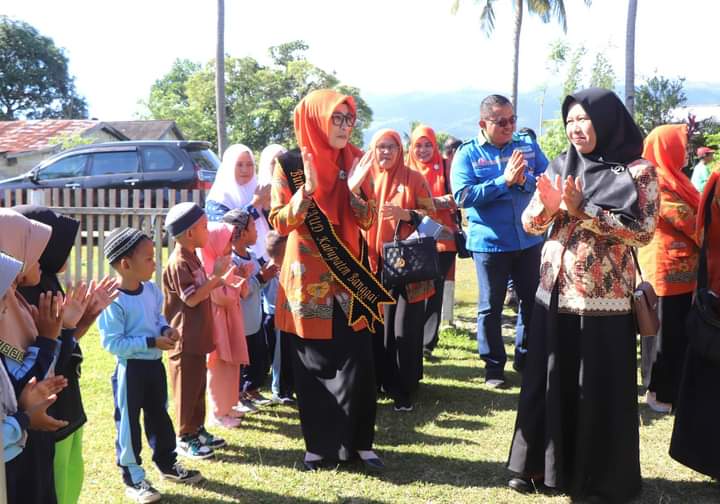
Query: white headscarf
(267, 165)
(9, 270)
(228, 192)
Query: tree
(630, 57)
(655, 99)
(34, 78)
(260, 100)
(220, 79)
(545, 9)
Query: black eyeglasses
(505, 121)
(339, 119)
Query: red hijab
(666, 147)
(385, 182)
(312, 129)
(432, 170)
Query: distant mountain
(457, 112)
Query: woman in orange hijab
(319, 200)
(669, 261)
(402, 196)
(424, 156)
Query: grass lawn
(451, 449)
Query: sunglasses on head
(503, 122)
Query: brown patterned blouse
(596, 272)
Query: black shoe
(374, 464)
(312, 465)
(521, 485)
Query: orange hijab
(712, 190)
(312, 128)
(433, 170)
(385, 183)
(25, 240)
(665, 147)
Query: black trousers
(254, 374)
(672, 345)
(287, 386)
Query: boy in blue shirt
(134, 330)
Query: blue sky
(118, 49)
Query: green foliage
(34, 78)
(68, 141)
(553, 140)
(654, 100)
(260, 99)
(602, 74)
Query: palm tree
(220, 79)
(545, 9)
(630, 57)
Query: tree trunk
(630, 57)
(220, 80)
(517, 26)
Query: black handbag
(408, 261)
(460, 236)
(703, 321)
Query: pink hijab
(25, 240)
(228, 327)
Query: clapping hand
(515, 169)
(268, 271)
(77, 299)
(550, 193)
(359, 171)
(103, 294)
(35, 399)
(311, 182)
(261, 197)
(48, 314)
(572, 196)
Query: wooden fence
(100, 211)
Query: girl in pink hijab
(228, 332)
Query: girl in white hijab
(236, 186)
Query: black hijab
(57, 251)
(606, 180)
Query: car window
(69, 167)
(157, 159)
(205, 159)
(109, 163)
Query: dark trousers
(433, 306)
(253, 375)
(142, 385)
(286, 386)
(493, 270)
(672, 342)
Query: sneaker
(258, 399)
(276, 399)
(142, 492)
(246, 407)
(495, 382)
(191, 447)
(229, 422)
(207, 439)
(655, 405)
(179, 474)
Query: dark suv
(124, 165)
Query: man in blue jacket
(493, 178)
